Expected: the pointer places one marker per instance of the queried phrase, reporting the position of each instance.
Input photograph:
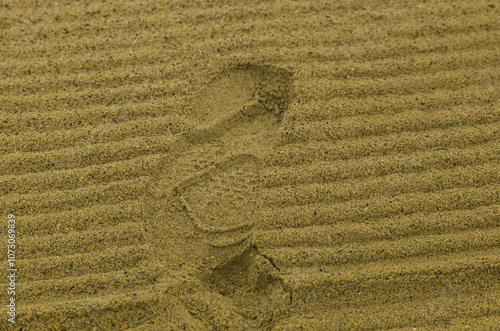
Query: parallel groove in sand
(410, 84)
(388, 185)
(113, 78)
(383, 270)
(88, 116)
(485, 174)
(273, 177)
(355, 86)
(395, 250)
(87, 155)
(390, 144)
(119, 95)
(196, 32)
(60, 200)
(381, 206)
(71, 265)
(361, 53)
(70, 179)
(145, 299)
(88, 218)
(97, 134)
(211, 12)
(378, 188)
(379, 165)
(410, 121)
(438, 314)
(394, 227)
(345, 127)
(68, 288)
(439, 99)
(129, 233)
(364, 289)
(101, 153)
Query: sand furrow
(92, 134)
(467, 322)
(390, 185)
(122, 95)
(389, 228)
(81, 40)
(405, 275)
(411, 64)
(80, 14)
(73, 82)
(360, 52)
(338, 107)
(54, 120)
(377, 125)
(60, 200)
(447, 312)
(112, 259)
(84, 156)
(154, 71)
(403, 85)
(389, 145)
(363, 167)
(70, 288)
(339, 254)
(123, 234)
(380, 206)
(82, 219)
(70, 179)
(120, 309)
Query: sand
(260, 165)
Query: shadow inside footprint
(236, 86)
(253, 283)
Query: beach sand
(255, 165)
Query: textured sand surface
(258, 165)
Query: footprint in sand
(204, 196)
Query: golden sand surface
(251, 165)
